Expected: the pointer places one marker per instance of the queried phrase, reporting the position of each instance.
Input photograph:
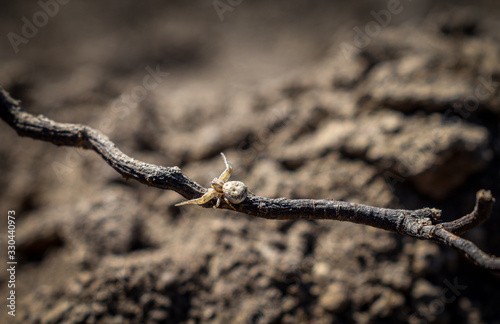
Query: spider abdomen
(235, 191)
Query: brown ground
(409, 120)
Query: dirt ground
(391, 104)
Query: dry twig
(422, 223)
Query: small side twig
(481, 212)
(421, 223)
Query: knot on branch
(418, 223)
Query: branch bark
(422, 223)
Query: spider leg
(227, 202)
(209, 195)
(218, 202)
(227, 173)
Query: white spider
(232, 191)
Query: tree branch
(421, 223)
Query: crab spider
(233, 192)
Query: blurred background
(386, 103)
